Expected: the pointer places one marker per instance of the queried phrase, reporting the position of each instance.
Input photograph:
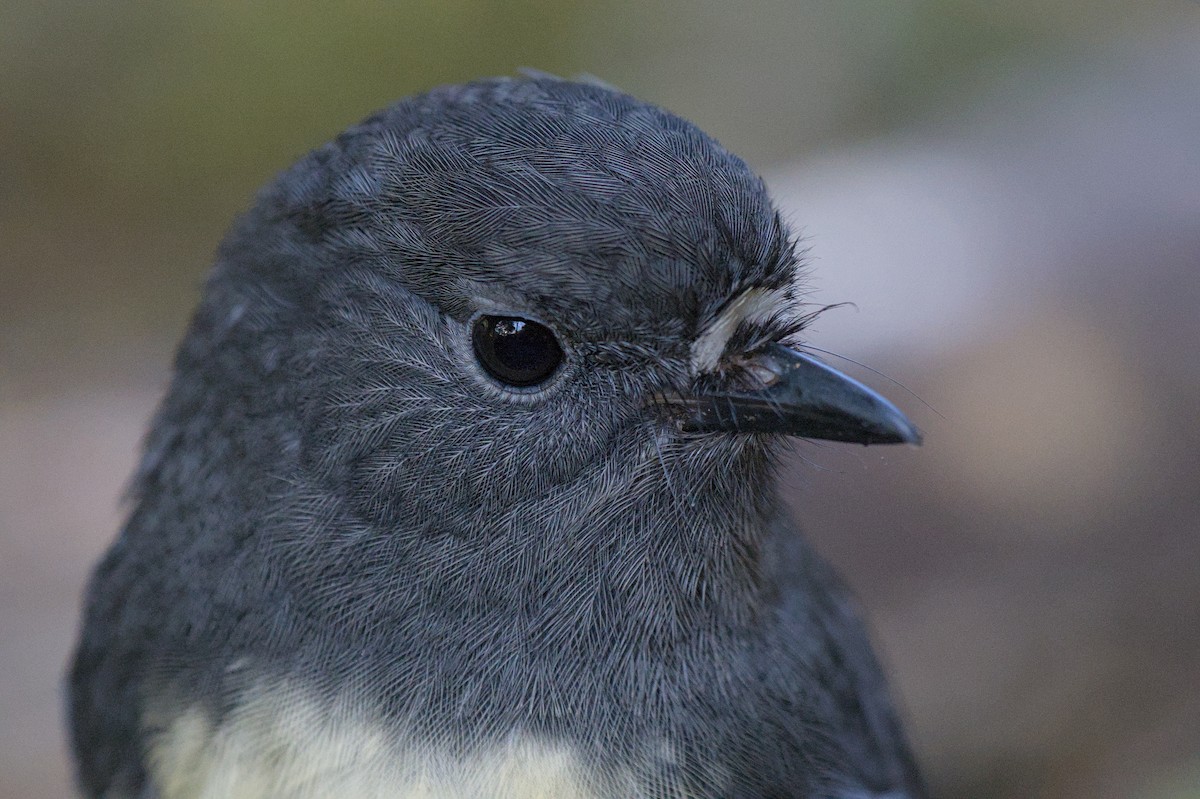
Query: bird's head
(482, 296)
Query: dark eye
(516, 351)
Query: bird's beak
(796, 395)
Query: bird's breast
(282, 742)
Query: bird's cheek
(453, 467)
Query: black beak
(799, 396)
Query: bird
(464, 485)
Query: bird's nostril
(755, 372)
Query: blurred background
(1008, 192)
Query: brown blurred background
(1008, 191)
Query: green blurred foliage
(136, 108)
(139, 108)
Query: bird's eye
(517, 352)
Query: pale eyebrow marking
(752, 305)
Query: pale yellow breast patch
(281, 743)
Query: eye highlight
(517, 352)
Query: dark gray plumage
(360, 564)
